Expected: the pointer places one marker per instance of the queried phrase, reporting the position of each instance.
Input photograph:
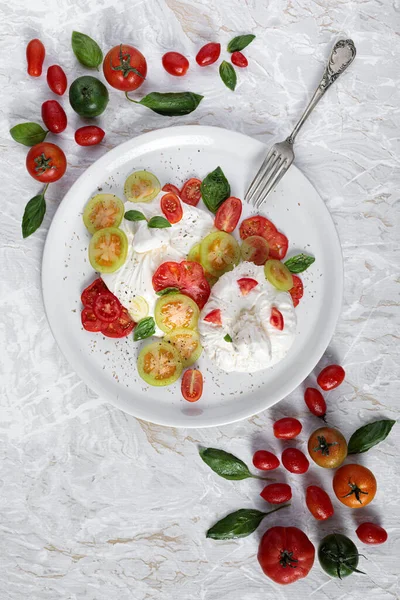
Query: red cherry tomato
(172, 208)
(90, 293)
(228, 214)
(278, 245)
(192, 385)
(168, 187)
(187, 276)
(315, 402)
(285, 554)
(331, 377)
(214, 317)
(295, 461)
(318, 503)
(297, 290)
(369, 533)
(208, 54)
(125, 68)
(121, 327)
(46, 162)
(246, 284)
(276, 318)
(265, 461)
(191, 193)
(258, 225)
(90, 135)
(35, 53)
(175, 64)
(89, 320)
(107, 307)
(239, 60)
(287, 428)
(277, 493)
(56, 79)
(54, 116)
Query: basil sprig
(86, 50)
(228, 338)
(215, 189)
(134, 215)
(228, 75)
(167, 290)
(34, 214)
(144, 329)
(239, 524)
(369, 435)
(227, 465)
(170, 104)
(158, 223)
(240, 42)
(299, 263)
(28, 134)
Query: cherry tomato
(287, 428)
(285, 554)
(107, 307)
(277, 493)
(246, 284)
(219, 253)
(89, 320)
(56, 79)
(54, 116)
(265, 461)
(258, 225)
(90, 135)
(192, 385)
(239, 60)
(255, 249)
(338, 555)
(172, 208)
(168, 187)
(331, 377)
(327, 447)
(121, 327)
(208, 54)
(315, 402)
(228, 214)
(276, 319)
(295, 461)
(191, 193)
(35, 53)
(89, 294)
(214, 317)
(318, 503)
(354, 485)
(278, 245)
(175, 63)
(369, 533)
(168, 275)
(297, 290)
(125, 68)
(159, 364)
(187, 277)
(46, 162)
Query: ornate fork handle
(342, 55)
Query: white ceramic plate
(108, 366)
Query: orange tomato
(354, 485)
(327, 447)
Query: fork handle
(342, 55)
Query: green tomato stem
(130, 99)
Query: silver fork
(281, 155)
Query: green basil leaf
(240, 42)
(134, 215)
(171, 104)
(228, 338)
(215, 189)
(144, 329)
(28, 134)
(299, 263)
(158, 223)
(239, 524)
(369, 435)
(33, 215)
(167, 290)
(224, 464)
(228, 75)
(86, 50)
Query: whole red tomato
(331, 377)
(175, 63)
(125, 68)
(285, 554)
(90, 135)
(46, 162)
(318, 503)
(369, 533)
(295, 461)
(208, 54)
(56, 79)
(35, 53)
(265, 461)
(239, 60)
(287, 428)
(54, 116)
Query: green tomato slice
(138, 308)
(219, 253)
(141, 186)
(255, 249)
(103, 210)
(159, 364)
(108, 249)
(278, 275)
(194, 254)
(187, 342)
(176, 311)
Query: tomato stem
(287, 560)
(354, 489)
(323, 445)
(124, 64)
(45, 189)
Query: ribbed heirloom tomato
(285, 554)
(46, 162)
(354, 485)
(327, 447)
(125, 68)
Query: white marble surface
(95, 504)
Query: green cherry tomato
(278, 275)
(88, 96)
(338, 555)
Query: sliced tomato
(255, 249)
(89, 320)
(276, 318)
(256, 225)
(169, 187)
(167, 275)
(194, 283)
(246, 284)
(103, 210)
(228, 214)
(214, 317)
(278, 245)
(107, 307)
(171, 207)
(141, 186)
(278, 275)
(121, 327)
(187, 342)
(176, 311)
(297, 290)
(108, 250)
(90, 293)
(191, 193)
(159, 364)
(219, 253)
(192, 385)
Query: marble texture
(97, 505)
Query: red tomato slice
(107, 307)
(168, 187)
(172, 208)
(214, 317)
(297, 290)
(192, 385)
(119, 328)
(278, 245)
(255, 249)
(257, 225)
(276, 318)
(228, 214)
(194, 283)
(191, 193)
(89, 320)
(167, 275)
(90, 293)
(246, 284)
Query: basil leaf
(158, 223)
(33, 215)
(86, 50)
(171, 104)
(369, 435)
(144, 329)
(239, 524)
(215, 189)
(134, 215)
(224, 464)
(228, 75)
(167, 290)
(227, 338)
(28, 134)
(240, 42)
(299, 263)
